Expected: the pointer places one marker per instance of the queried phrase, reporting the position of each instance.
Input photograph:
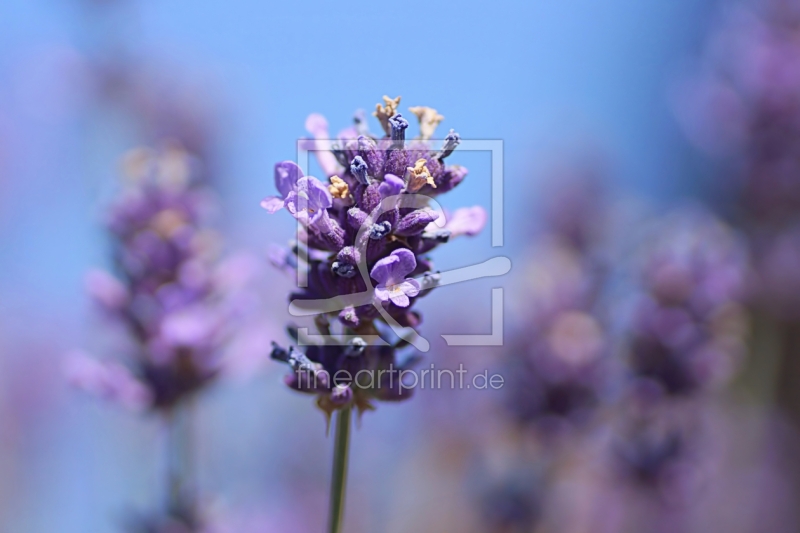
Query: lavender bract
(368, 226)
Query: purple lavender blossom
(317, 126)
(391, 186)
(369, 220)
(305, 197)
(390, 273)
(559, 355)
(171, 292)
(743, 104)
(466, 221)
(688, 323)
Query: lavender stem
(178, 460)
(341, 448)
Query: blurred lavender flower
(559, 356)
(744, 104)
(369, 219)
(688, 325)
(575, 205)
(177, 300)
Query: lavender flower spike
(345, 235)
(390, 273)
(181, 302)
(354, 235)
(305, 197)
(308, 202)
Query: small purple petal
(106, 290)
(282, 259)
(287, 174)
(399, 299)
(272, 204)
(106, 379)
(382, 271)
(410, 287)
(382, 293)
(317, 192)
(394, 268)
(466, 221)
(406, 263)
(452, 140)
(309, 200)
(193, 327)
(317, 126)
(391, 186)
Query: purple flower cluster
(627, 328)
(367, 228)
(745, 104)
(171, 292)
(688, 324)
(560, 354)
(559, 357)
(752, 80)
(684, 335)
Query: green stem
(341, 448)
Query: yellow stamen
(428, 118)
(419, 176)
(338, 188)
(386, 111)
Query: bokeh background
(616, 116)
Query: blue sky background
(550, 78)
